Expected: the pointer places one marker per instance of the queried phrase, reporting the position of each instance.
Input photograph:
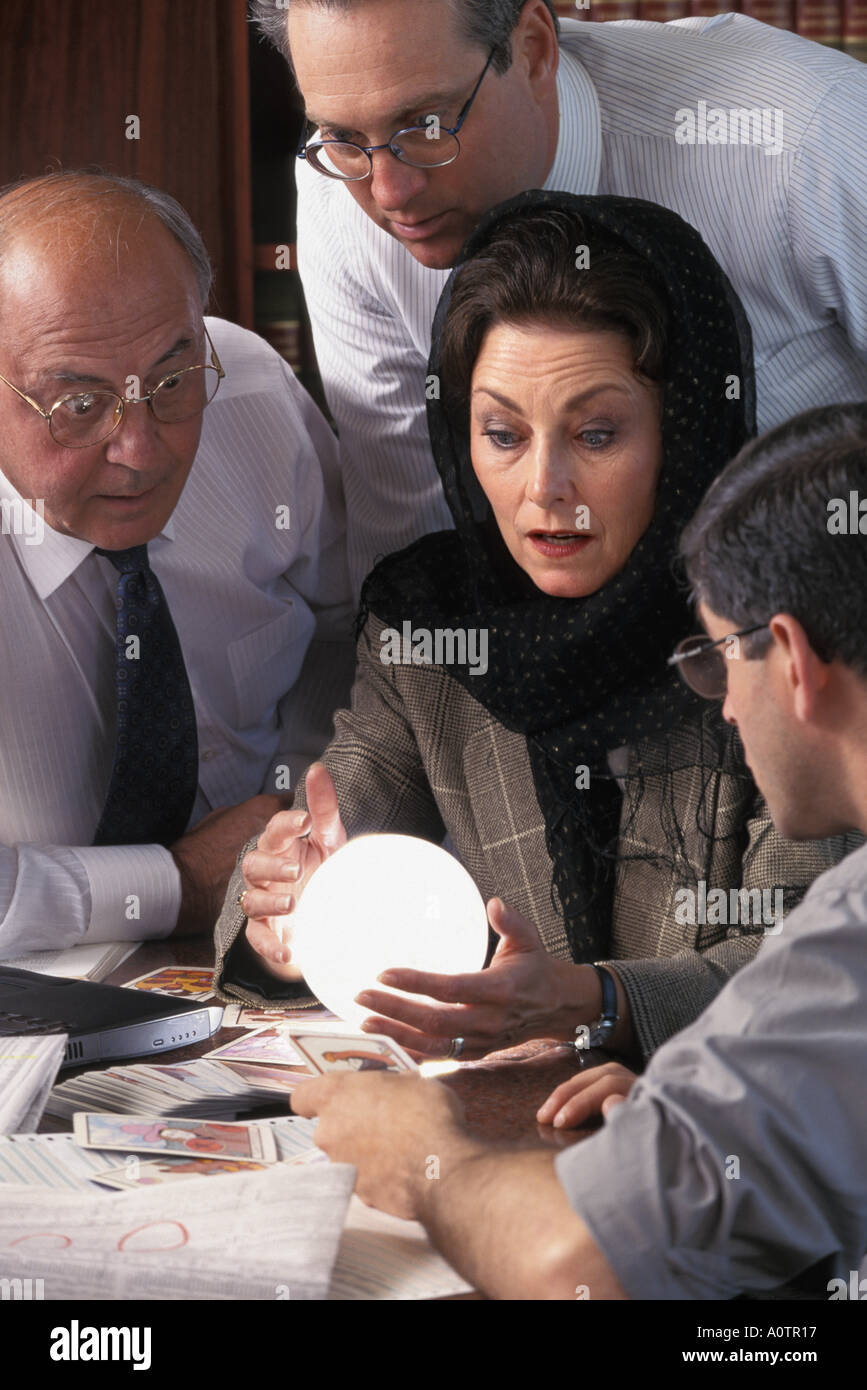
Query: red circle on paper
(35, 1235)
(185, 1235)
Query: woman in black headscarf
(591, 373)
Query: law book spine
(701, 8)
(780, 13)
(661, 11)
(820, 20)
(855, 28)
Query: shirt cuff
(135, 892)
(622, 1182)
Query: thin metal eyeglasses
(702, 665)
(341, 159)
(84, 418)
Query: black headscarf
(579, 677)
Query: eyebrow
(572, 402)
(429, 102)
(72, 378)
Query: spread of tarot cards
(349, 1051)
(243, 1143)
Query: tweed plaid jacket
(417, 755)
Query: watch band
(602, 1030)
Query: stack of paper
(380, 1257)
(264, 1235)
(28, 1066)
(203, 1088)
(87, 962)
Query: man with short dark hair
(171, 556)
(736, 1162)
(430, 112)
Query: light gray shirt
(785, 217)
(739, 1160)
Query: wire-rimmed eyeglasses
(84, 418)
(702, 665)
(429, 146)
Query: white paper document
(91, 961)
(383, 1257)
(28, 1066)
(264, 1235)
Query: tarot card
(156, 1172)
(262, 1045)
(245, 1016)
(175, 1135)
(180, 981)
(352, 1052)
(271, 1078)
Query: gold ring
(241, 897)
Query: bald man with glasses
(176, 611)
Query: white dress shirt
(789, 229)
(252, 602)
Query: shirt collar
(50, 560)
(579, 148)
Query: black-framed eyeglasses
(84, 418)
(702, 665)
(430, 146)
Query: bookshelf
(840, 23)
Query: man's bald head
(83, 214)
(103, 284)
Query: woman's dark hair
(531, 272)
(775, 533)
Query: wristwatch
(600, 1033)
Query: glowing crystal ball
(379, 902)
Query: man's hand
(400, 1132)
(589, 1093)
(206, 857)
(525, 993)
(290, 850)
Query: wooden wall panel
(72, 71)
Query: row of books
(841, 23)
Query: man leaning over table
(780, 197)
(735, 1164)
(176, 620)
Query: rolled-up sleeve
(737, 1163)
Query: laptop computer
(104, 1022)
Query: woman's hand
(524, 993)
(290, 850)
(589, 1093)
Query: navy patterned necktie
(156, 759)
